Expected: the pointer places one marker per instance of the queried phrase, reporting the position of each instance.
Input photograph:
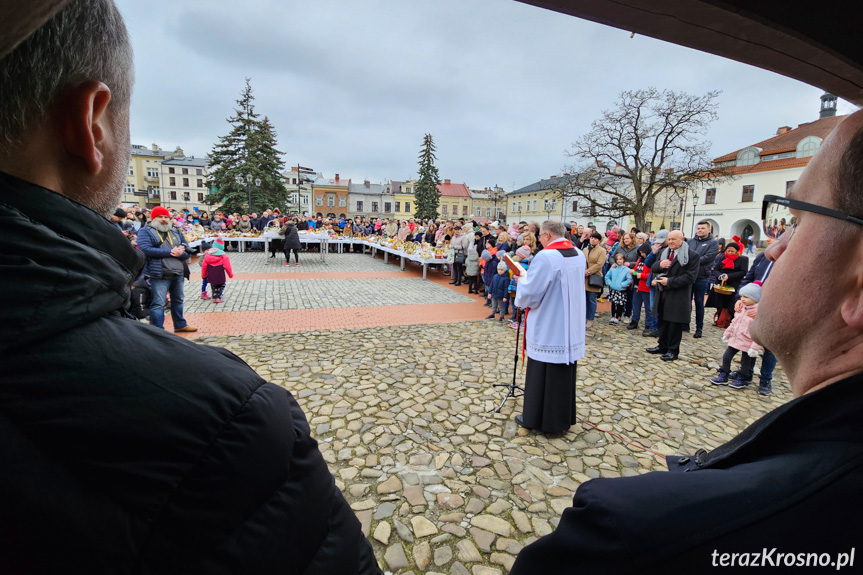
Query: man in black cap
(119, 217)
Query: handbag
(460, 258)
(596, 281)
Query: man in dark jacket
(674, 273)
(105, 469)
(164, 248)
(785, 492)
(705, 247)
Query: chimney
(156, 148)
(367, 184)
(337, 177)
(446, 182)
(782, 130)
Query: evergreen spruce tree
(426, 191)
(248, 148)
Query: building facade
(365, 200)
(769, 167)
(455, 201)
(541, 201)
(142, 179)
(183, 183)
(331, 197)
(299, 191)
(404, 202)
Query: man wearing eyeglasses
(789, 484)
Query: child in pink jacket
(215, 267)
(738, 338)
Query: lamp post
(694, 204)
(247, 183)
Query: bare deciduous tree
(651, 142)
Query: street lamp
(247, 183)
(694, 204)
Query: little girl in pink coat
(738, 338)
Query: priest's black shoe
(697, 334)
(519, 419)
(654, 350)
(632, 325)
(668, 357)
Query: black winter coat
(674, 301)
(799, 466)
(292, 238)
(107, 469)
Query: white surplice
(554, 291)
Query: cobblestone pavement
(443, 485)
(260, 295)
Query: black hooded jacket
(106, 469)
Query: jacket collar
(68, 264)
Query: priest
(552, 292)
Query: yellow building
(454, 201)
(404, 202)
(142, 179)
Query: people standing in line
(704, 246)
(728, 272)
(215, 267)
(165, 249)
(739, 338)
(618, 279)
(595, 260)
(291, 242)
(641, 291)
(674, 275)
(759, 271)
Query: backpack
(722, 318)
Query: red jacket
(224, 261)
(641, 278)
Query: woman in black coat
(729, 267)
(291, 242)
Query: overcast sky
(351, 87)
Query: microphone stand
(513, 390)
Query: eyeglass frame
(792, 204)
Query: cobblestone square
(440, 483)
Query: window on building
(185, 182)
(374, 207)
(444, 210)
(808, 146)
(343, 202)
(129, 189)
(519, 207)
(319, 200)
(173, 195)
(455, 209)
(407, 207)
(710, 196)
(535, 204)
(574, 206)
(407, 190)
(185, 171)
(359, 206)
(172, 181)
(305, 200)
(464, 210)
(200, 196)
(294, 181)
(513, 206)
(200, 183)
(153, 191)
(152, 173)
(131, 171)
(199, 172)
(186, 196)
(748, 194)
(331, 200)
(388, 207)
(171, 171)
(788, 186)
(748, 157)
(398, 207)
(488, 212)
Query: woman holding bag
(593, 280)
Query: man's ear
(852, 306)
(82, 114)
